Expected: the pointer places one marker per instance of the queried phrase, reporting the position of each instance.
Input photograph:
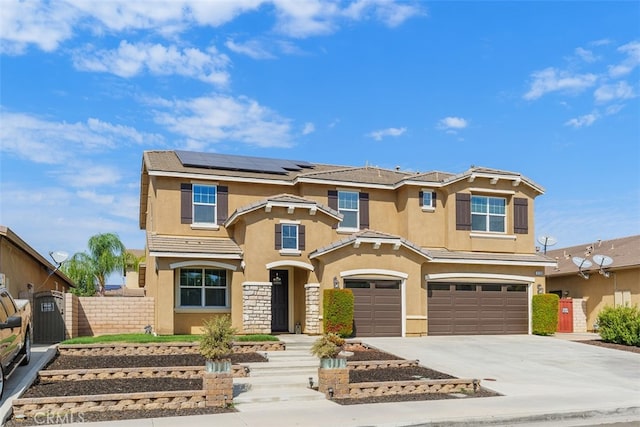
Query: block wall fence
(88, 316)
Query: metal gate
(48, 317)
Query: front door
(279, 300)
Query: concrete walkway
(545, 381)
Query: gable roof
(370, 237)
(624, 251)
(288, 201)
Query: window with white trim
(349, 208)
(290, 236)
(204, 204)
(488, 214)
(203, 287)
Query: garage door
(377, 307)
(477, 309)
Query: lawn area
(148, 338)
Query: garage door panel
(477, 309)
(377, 311)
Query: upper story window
(349, 208)
(427, 200)
(203, 287)
(488, 214)
(204, 204)
(290, 237)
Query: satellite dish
(547, 241)
(602, 260)
(59, 256)
(581, 262)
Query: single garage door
(377, 307)
(477, 309)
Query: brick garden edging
(359, 365)
(187, 372)
(387, 388)
(32, 407)
(132, 349)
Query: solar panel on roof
(240, 163)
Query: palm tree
(106, 255)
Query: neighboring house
(131, 275)
(24, 271)
(424, 253)
(612, 285)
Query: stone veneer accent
(256, 307)
(312, 304)
(579, 315)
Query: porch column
(256, 307)
(312, 303)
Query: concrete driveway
(540, 377)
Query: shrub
(338, 311)
(544, 314)
(620, 325)
(327, 346)
(217, 338)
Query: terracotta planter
(333, 363)
(218, 366)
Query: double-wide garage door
(477, 309)
(377, 307)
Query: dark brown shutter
(278, 236)
(301, 238)
(223, 203)
(332, 201)
(520, 215)
(463, 211)
(186, 199)
(421, 198)
(433, 199)
(364, 210)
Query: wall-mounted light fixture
(539, 289)
(336, 283)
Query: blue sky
(547, 89)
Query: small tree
(217, 338)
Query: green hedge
(620, 325)
(337, 308)
(544, 314)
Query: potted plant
(327, 348)
(216, 344)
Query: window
(290, 236)
(348, 207)
(203, 287)
(427, 200)
(204, 204)
(488, 214)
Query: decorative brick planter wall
(188, 372)
(218, 388)
(256, 307)
(89, 316)
(33, 407)
(121, 349)
(312, 304)
(378, 364)
(387, 388)
(333, 381)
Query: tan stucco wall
(598, 291)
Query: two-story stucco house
(424, 253)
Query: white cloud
(552, 80)
(600, 42)
(585, 55)
(129, 60)
(252, 48)
(452, 123)
(52, 142)
(379, 134)
(390, 13)
(308, 128)
(586, 120)
(216, 118)
(611, 92)
(613, 109)
(632, 50)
